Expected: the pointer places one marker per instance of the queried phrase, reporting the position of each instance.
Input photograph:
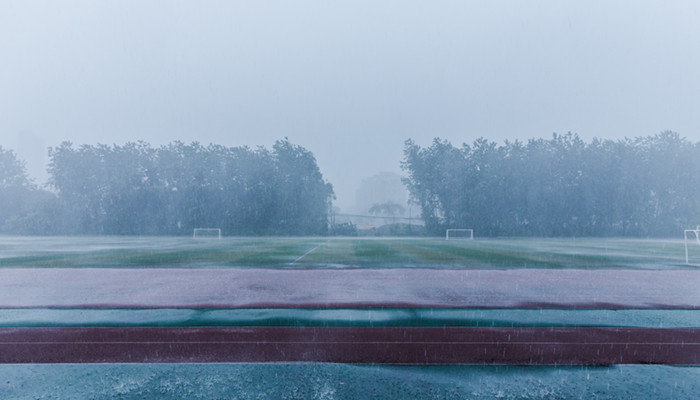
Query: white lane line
(307, 253)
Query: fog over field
(348, 81)
(320, 199)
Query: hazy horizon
(348, 81)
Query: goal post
(464, 234)
(692, 233)
(206, 233)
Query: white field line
(307, 253)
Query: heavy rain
(326, 200)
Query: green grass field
(156, 252)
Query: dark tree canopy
(137, 189)
(12, 171)
(15, 187)
(647, 186)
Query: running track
(301, 288)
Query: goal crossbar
(469, 233)
(206, 233)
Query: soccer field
(373, 253)
(134, 317)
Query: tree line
(136, 189)
(646, 186)
(563, 186)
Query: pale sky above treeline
(350, 81)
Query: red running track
(392, 345)
(256, 288)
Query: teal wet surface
(350, 317)
(338, 381)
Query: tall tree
(15, 185)
(558, 187)
(303, 196)
(136, 189)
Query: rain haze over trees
(18, 195)
(380, 188)
(563, 186)
(647, 186)
(136, 189)
(350, 81)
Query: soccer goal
(464, 234)
(692, 233)
(206, 233)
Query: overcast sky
(349, 80)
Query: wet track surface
(294, 327)
(360, 345)
(297, 290)
(267, 288)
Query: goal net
(464, 234)
(206, 233)
(694, 236)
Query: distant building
(383, 187)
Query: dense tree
(302, 197)
(14, 185)
(136, 189)
(647, 186)
(12, 171)
(22, 204)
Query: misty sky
(348, 80)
